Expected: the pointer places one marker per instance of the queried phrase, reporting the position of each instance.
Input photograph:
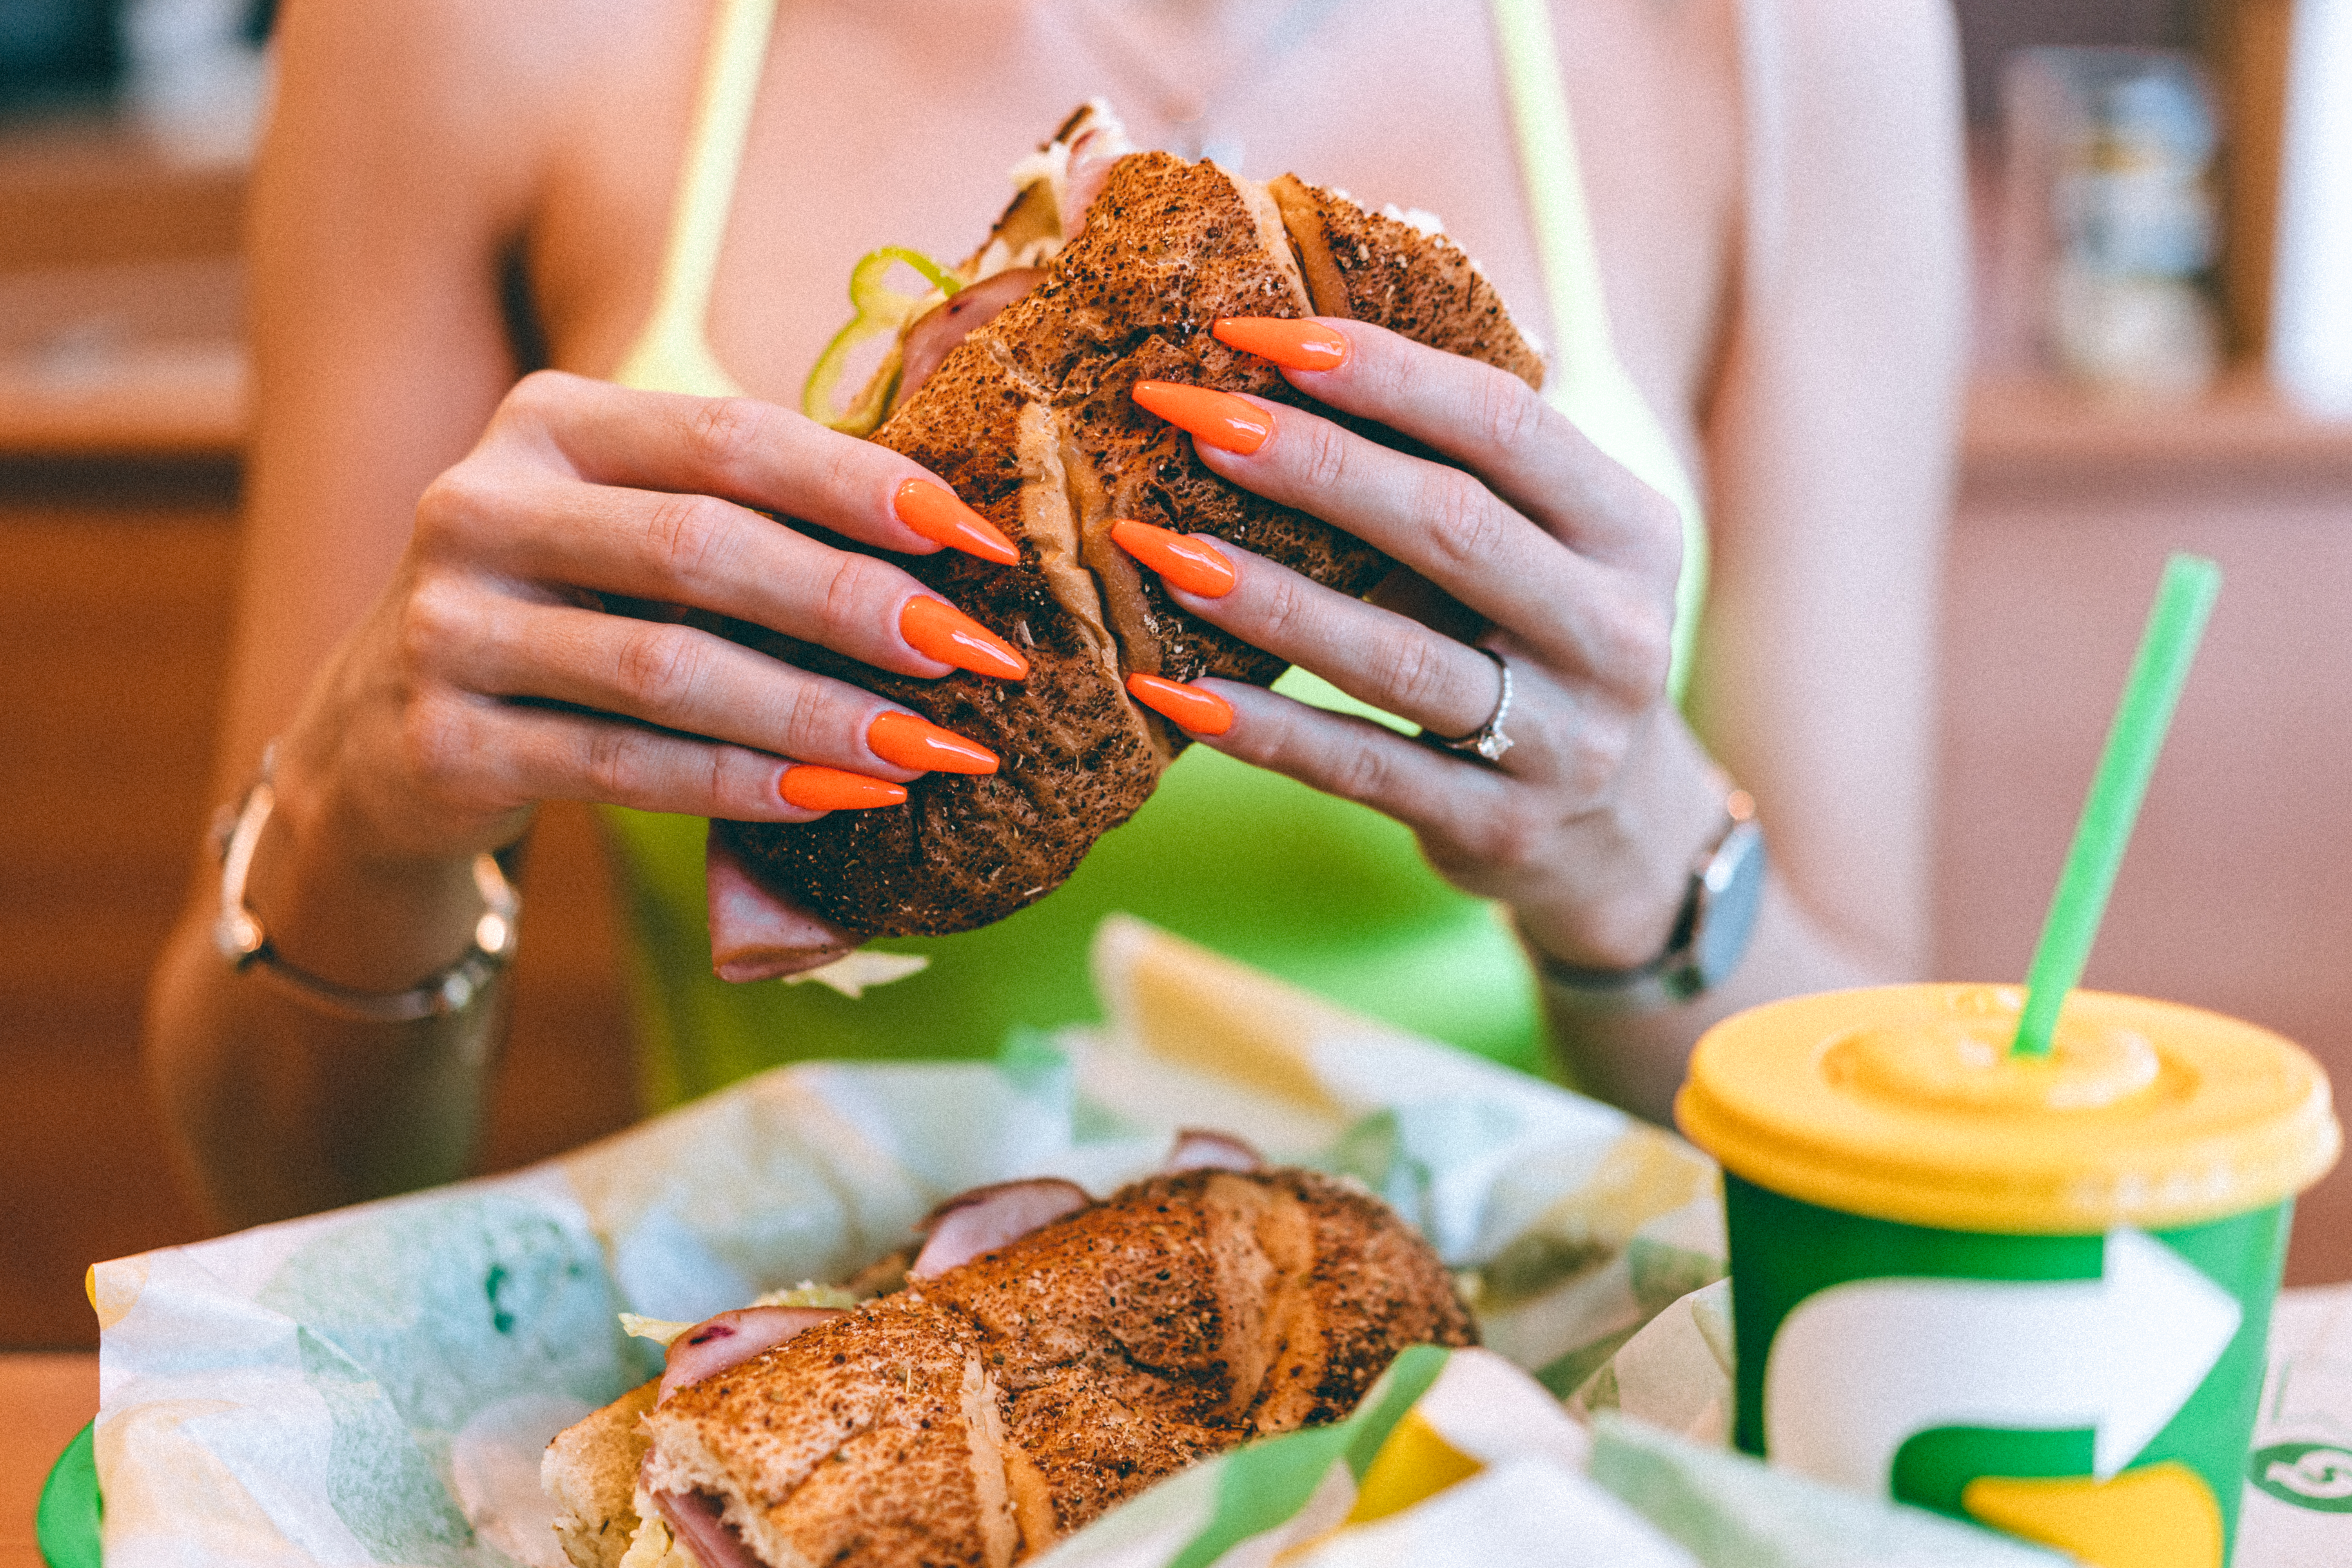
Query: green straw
(2176, 622)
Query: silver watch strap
(239, 935)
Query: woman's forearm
(276, 1109)
(280, 1104)
(1636, 1059)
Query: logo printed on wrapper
(2314, 1476)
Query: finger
(751, 451)
(488, 749)
(1438, 520)
(1575, 612)
(1372, 654)
(686, 679)
(710, 553)
(1488, 421)
(1350, 757)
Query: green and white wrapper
(374, 1386)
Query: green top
(1319, 891)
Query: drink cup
(2029, 1292)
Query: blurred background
(2162, 365)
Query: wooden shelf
(2242, 433)
(135, 359)
(96, 189)
(179, 400)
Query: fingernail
(912, 741)
(933, 511)
(937, 629)
(1202, 712)
(1188, 561)
(1218, 419)
(1292, 344)
(833, 789)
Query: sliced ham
(694, 1519)
(986, 1218)
(754, 935)
(938, 331)
(1200, 1148)
(731, 1338)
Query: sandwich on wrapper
(1044, 1358)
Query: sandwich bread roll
(980, 1414)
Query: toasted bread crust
(1375, 268)
(977, 1417)
(1030, 421)
(591, 1472)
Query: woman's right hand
(490, 677)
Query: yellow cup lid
(1902, 1103)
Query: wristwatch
(1710, 931)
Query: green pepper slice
(879, 309)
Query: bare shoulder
(456, 90)
(1867, 72)
(1855, 209)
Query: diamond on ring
(1488, 742)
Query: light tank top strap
(1587, 381)
(673, 351)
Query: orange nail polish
(1292, 344)
(1187, 561)
(912, 741)
(1202, 712)
(933, 511)
(937, 629)
(833, 789)
(1215, 418)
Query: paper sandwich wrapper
(373, 1386)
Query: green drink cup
(2030, 1291)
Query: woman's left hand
(1587, 824)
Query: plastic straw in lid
(2175, 626)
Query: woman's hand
(1589, 822)
(490, 676)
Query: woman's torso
(866, 130)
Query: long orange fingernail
(1188, 561)
(1292, 344)
(1218, 419)
(916, 742)
(937, 629)
(1202, 712)
(933, 511)
(813, 788)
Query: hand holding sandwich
(1541, 549)
(494, 673)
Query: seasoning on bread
(981, 1413)
(1028, 418)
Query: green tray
(67, 1521)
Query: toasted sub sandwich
(1109, 269)
(998, 1402)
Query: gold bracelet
(239, 936)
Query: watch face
(1733, 891)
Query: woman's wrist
(1631, 884)
(337, 908)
